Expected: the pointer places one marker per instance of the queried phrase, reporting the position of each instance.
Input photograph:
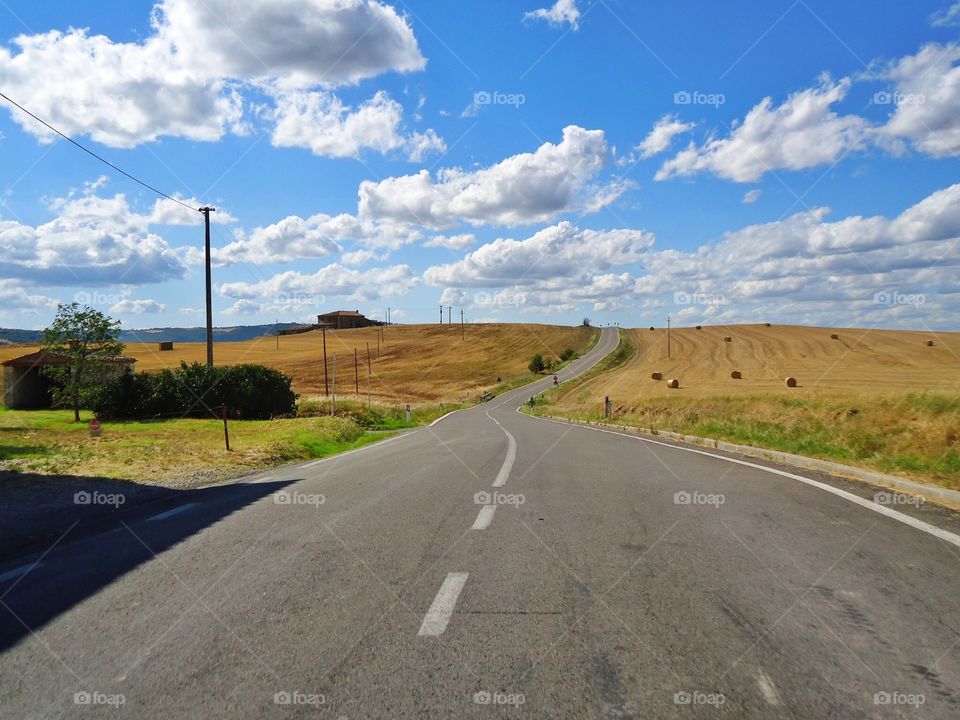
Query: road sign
(94, 428)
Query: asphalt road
(493, 565)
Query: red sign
(94, 427)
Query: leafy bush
(537, 365)
(250, 392)
(567, 354)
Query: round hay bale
(766, 324)
(656, 376)
(728, 339)
(791, 382)
(652, 327)
(736, 375)
(834, 336)
(929, 343)
(699, 327)
(673, 384)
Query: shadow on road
(93, 546)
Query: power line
(91, 152)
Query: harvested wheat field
(882, 399)
(416, 363)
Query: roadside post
(226, 432)
(607, 405)
(408, 412)
(95, 428)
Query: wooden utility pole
(461, 324)
(356, 373)
(449, 314)
(326, 383)
(441, 314)
(333, 399)
(206, 246)
(668, 336)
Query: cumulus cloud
(92, 241)
(751, 196)
(333, 280)
(138, 307)
(561, 251)
(948, 17)
(525, 188)
(927, 100)
(452, 242)
(659, 139)
(321, 122)
(186, 79)
(560, 13)
(13, 296)
(296, 238)
(801, 133)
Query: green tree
(537, 365)
(86, 338)
(585, 323)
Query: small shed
(25, 387)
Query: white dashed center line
(485, 517)
(174, 511)
(437, 617)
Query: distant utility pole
(668, 336)
(278, 333)
(333, 399)
(449, 313)
(378, 343)
(356, 373)
(461, 324)
(441, 314)
(206, 226)
(326, 383)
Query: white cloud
(927, 100)
(295, 43)
(138, 307)
(801, 133)
(321, 122)
(359, 257)
(14, 297)
(948, 17)
(452, 242)
(560, 13)
(659, 139)
(92, 241)
(186, 79)
(752, 196)
(561, 251)
(525, 188)
(332, 280)
(243, 307)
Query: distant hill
(239, 333)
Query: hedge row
(250, 392)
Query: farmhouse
(345, 319)
(25, 387)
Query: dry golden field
(417, 363)
(881, 399)
(859, 363)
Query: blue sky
(524, 160)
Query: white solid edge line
(18, 571)
(484, 518)
(926, 527)
(174, 511)
(437, 617)
(444, 417)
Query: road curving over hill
(493, 562)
